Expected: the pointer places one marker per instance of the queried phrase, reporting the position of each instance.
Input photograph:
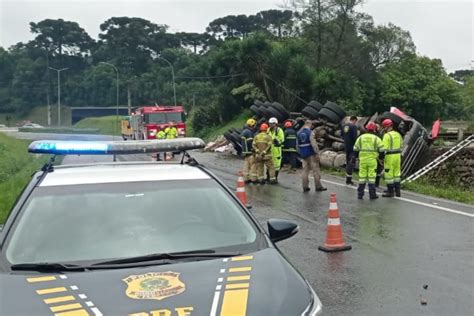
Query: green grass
(450, 192)
(106, 125)
(214, 132)
(422, 186)
(16, 168)
(39, 115)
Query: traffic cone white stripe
(334, 221)
(332, 206)
(242, 189)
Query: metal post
(172, 75)
(116, 98)
(59, 92)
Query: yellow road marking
(59, 299)
(237, 286)
(238, 278)
(241, 258)
(79, 312)
(41, 279)
(61, 308)
(241, 269)
(51, 290)
(235, 303)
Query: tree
(418, 85)
(59, 37)
(277, 22)
(195, 40)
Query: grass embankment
(210, 134)
(39, 115)
(16, 168)
(422, 186)
(106, 125)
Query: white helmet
(273, 120)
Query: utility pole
(172, 75)
(116, 99)
(59, 92)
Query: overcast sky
(440, 28)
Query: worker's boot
(372, 193)
(360, 191)
(377, 181)
(389, 192)
(396, 186)
(276, 175)
(349, 180)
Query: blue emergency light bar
(54, 147)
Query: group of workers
(375, 155)
(266, 147)
(169, 132)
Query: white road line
(410, 201)
(215, 302)
(96, 311)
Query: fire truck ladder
(439, 159)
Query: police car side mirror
(281, 229)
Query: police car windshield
(120, 220)
(165, 117)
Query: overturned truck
(328, 120)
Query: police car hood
(260, 283)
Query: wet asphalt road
(398, 245)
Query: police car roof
(120, 173)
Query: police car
(141, 239)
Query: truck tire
(265, 113)
(330, 115)
(336, 109)
(310, 113)
(389, 115)
(280, 108)
(275, 113)
(255, 109)
(267, 104)
(258, 103)
(315, 105)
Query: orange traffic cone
(334, 239)
(240, 192)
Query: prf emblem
(154, 285)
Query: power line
(286, 89)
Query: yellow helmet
(251, 122)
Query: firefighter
(262, 146)
(350, 134)
(249, 170)
(392, 142)
(289, 146)
(368, 147)
(171, 131)
(278, 137)
(160, 135)
(309, 153)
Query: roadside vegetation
(106, 125)
(16, 168)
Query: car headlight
(314, 307)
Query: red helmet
(371, 127)
(387, 123)
(264, 127)
(288, 124)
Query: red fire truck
(144, 122)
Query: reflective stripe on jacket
(304, 143)
(392, 142)
(369, 146)
(290, 140)
(246, 141)
(262, 144)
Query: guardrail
(59, 130)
